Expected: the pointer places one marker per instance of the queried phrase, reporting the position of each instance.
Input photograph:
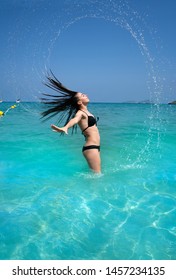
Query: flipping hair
(64, 104)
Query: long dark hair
(64, 104)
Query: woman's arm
(71, 123)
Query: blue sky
(113, 50)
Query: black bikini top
(91, 121)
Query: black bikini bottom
(90, 147)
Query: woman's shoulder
(82, 113)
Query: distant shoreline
(143, 102)
(104, 102)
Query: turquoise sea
(53, 207)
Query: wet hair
(65, 103)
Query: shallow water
(53, 207)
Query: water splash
(122, 15)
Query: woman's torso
(89, 128)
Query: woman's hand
(59, 129)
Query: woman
(73, 108)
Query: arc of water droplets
(121, 14)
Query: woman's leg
(93, 158)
